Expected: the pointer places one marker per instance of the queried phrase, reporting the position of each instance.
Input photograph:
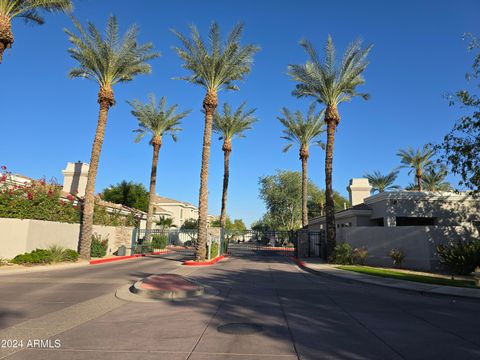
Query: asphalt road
(297, 315)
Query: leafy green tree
(127, 193)
(215, 65)
(106, 60)
(28, 10)
(282, 194)
(331, 85)
(381, 183)
(304, 132)
(155, 120)
(418, 161)
(189, 224)
(461, 146)
(230, 125)
(237, 224)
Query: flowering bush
(41, 200)
(35, 200)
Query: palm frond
(233, 124)
(108, 59)
(213, 64)
(156, 118)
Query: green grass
(407, 276)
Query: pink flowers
(3, 178)
(30, 196)
(70, 197)
(3, 167)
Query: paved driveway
(302, 316)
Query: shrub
(360, 255)
(397, 256)
(38, 256)
(214, 251)
(3, 261)
(56, 253)
(343, 254)
(159, 241)
(462, 257)
(70, 255)
(99, 246)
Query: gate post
(302, 243)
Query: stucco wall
(419, 243)
(18, 236)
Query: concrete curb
(126, 257)
(204, 263)
(403, 285)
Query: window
(415, 221)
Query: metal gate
(260, 242)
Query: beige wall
(18, 236)
(419, 243)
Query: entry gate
(260, 242)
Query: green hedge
(46, 256)
(99, 246)
(159, 241)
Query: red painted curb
(298, 261)
(127, 257)
(204, 263)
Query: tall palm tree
(434, 180)
(230, 125)
(29, 11)
(381, 183)
(330, 85)
(156, 120)
(107, 61)
(215, 66)
(304, 131)
(417, 160)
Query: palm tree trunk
(331, 118)
(6, 36)
(304, 192)
(209, 105)
(157, 143)
(226, 175)
(419, 180)
(106, 100)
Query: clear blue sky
(48, 120)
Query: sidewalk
(316, 265)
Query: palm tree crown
(215, 65)
(327, 83)
(233, 124)
(434, 180)
(381, 183)
(108, 60)
(156, 119)
(29, 11)
(416, 159)
(303, 131)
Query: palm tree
(166, 222)
(417, 160)
(304, 131)
(28, 10)
(156, 120)
(434, 180)
(230, 125)
(215, 66)
(330, 85)
(107, 61)
(381, 183)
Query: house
(178, 211)
(412, 221)
(404, 208)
